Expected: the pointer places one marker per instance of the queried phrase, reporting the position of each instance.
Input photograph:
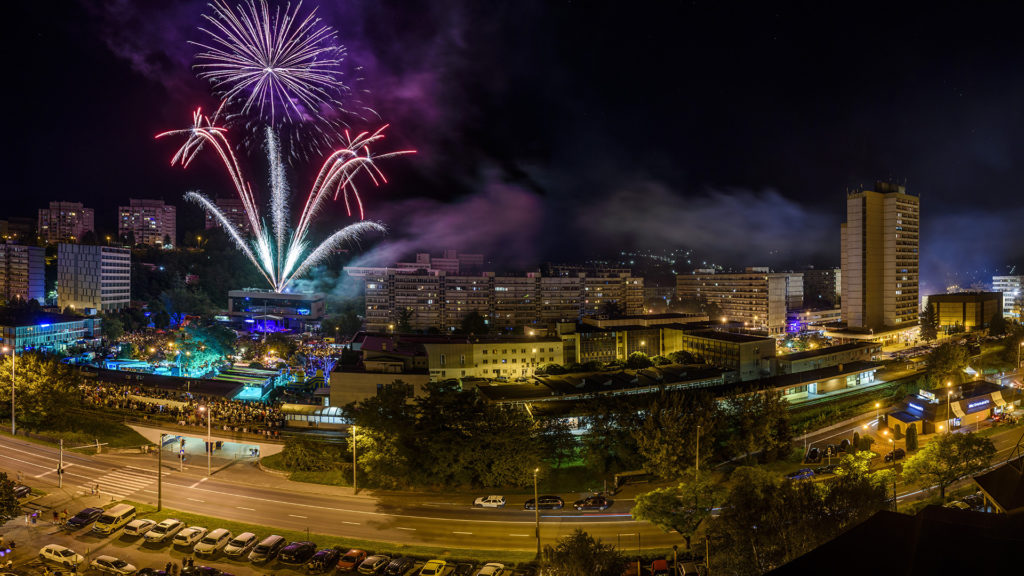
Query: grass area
(371, 546)
(90, 429)
(274, 462)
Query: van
(113, 519)
(267, 549)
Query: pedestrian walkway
(120, 484)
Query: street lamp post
(354, 430)
(536, 510)
(696, 458)
(949, 396)
(209, 443)
(160, 474)
(14, 357)
(877, 406)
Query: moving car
(213, 542)
(61, 555)
(164, 530)
(490, 501)
(112, 565)
(374, 564)
(592, 503)
(189, 536)
(399, 566)
(433, 568)
(352, 559)
(491, 569)
(296, 553)
(267, 549)
(241, 545)
(84, 518)
(138, 527)
(323, 561)
(545, 503)
(801, 474)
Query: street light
(209, 445)
(536, 510)
(949, 396)
(877, 406)
(696, 458)
(354, 430)
(14, 357)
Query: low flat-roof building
(828, 356)
(748, 357)
(269, 311)
(968, 405)
(33, 330)
(966, 310)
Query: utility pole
(536, 510)
(696, 459)
(60, 466)
(353, 435)
(160, 473)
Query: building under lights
(269, 311)
(33, 330)
(1012, 288)
(149, 221)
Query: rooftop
(27, 317)
(728, 336)
(824, 351)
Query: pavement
(240, 491)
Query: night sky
(566, 130)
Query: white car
(112, 565)
(491, 569)
(241, 545)
(138, 527)
(489, 501)
(61, 555)
(213, 542)
(164, 530)
(189, 536)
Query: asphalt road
(257, 497)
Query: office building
(33, 330)
(150, 222)
(64, 222)
(756, 297)
(880, 259)
(269, 311)
(93, 279)
(821, 288)
(22, 273)
(233, 210)
(966, 310)
(1012, 288)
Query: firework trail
(281, 257)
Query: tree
(89, 238)
(304, 453)
(667, 439)
(912, 439)
(660, 360)
(760, 424)
(112, 326)
(855, 443)
(404, 323)
(683, 357)
(613, 309)
(638, 361)
(682, 508)
(48, 393)
(949, 458)
(128, 239)
(997, 325)
(929, 323)
(946, 361)
(10, 508)
(579, 554)
(474, 323)
(162, 319)
(342, 325)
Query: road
(243, 493)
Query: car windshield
(238, 542)
(209, 540)
(119, 563)
(349, 558)
(106, 519)
(65, 552)
(159, 529)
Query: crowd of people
(183, 408)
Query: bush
(305, 454)
(912, 439)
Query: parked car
(112, 565)
(164, 530)
(138, 527)
(490, 502)
(813, 456)
(151, 572)
(956, 504)
(241, 544)
(267, 549)
(433, 568)
(374, 564)
(462, 569)
(830, 469)
(545, 503)
(352, 559)
(592, 503)
(801, 474)
(398, 566)
(84, 518)
(323, 561)
(62, 555)
(844, 445)
(525, 571)
(897, 454)
(21, 491)
(491, 569)
(297, 553)
(189, 536)
(659, 567)
(204, 571)
(213, 542)
(975, 501)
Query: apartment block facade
(1012, 288)
(93, 278)
(65, 221)
(756, 297)
(150, 222)
(22, 272)
(880, 241)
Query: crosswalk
(121, 483)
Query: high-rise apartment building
(880, 258)
(149, 221)
(756, 297)
(93, 277)
(821, 287)
(22, 272)
(435, 299)
(794, 290)
(233, 210)
(1012, 288)
(64, 221)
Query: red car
(351, 560)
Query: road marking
(351, 523)
(467, 533)
(200, 481)
(195, 500)
(51, 471)
(244, 508)
(296, 516)
(520, 535)
(409, 529)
